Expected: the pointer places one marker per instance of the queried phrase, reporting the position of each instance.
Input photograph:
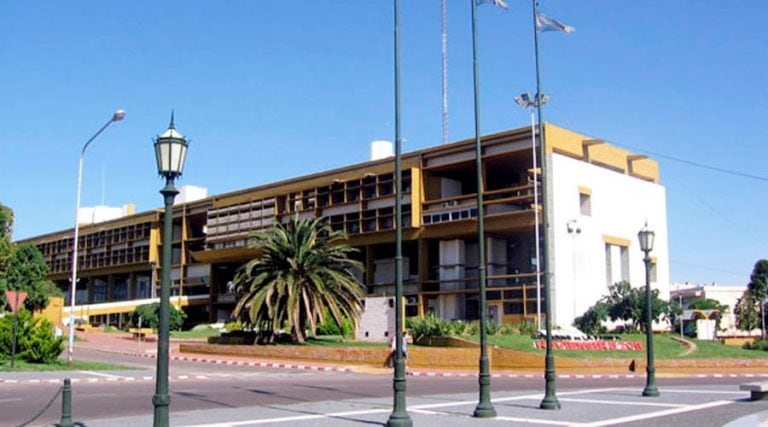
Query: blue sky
(268, 90)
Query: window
(608, 266)
(585, 204)
(624, 263)
(616, 260)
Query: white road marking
(425, 409)
(622, 402)
(702, 391)
(100, 374)
(379, 411)
(79, 395)
(536, 421)
(296, 418)
(639, 417)
(13, 399)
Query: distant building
(725, 295)
(599, 198)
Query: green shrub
(40, 345)
(330, 327)
(432, 326)
(233, 326)
(527, 329)
(6, 331)
(591, 322)
(427, 327)
(761, 345)
(150, 315)
(35, 342)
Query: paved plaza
(590, 407)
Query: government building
(600, 196)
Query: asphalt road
(211, 387)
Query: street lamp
(525, 101)
(646, 237)
(116, 117)
(170, 152)
(484, 408)
(399, 416)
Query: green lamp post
(484, 408)
(170, 152)
(399, 416)
(646, 238)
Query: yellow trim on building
(617, 241)
(598, 152)
(585, 190)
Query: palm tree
(303, 272)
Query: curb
(91, 380)
(119, 379)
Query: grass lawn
(336, 341)
(60, 365)
(663, 345)
(200, 333)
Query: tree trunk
(298, 334)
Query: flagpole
(444, 63)
(537, 237)
(484, 407)
(399, 416)
(550, 399)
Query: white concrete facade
(597, 245)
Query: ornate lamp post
(170, 151)
(646, 237)
(118, 116)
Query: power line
(710, 268)
(697, 164)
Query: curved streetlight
(119, 115)
(170, 153)
(646, 238)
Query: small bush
(150, 317)
(35, 342)
(330, 327)
(233, 326)
(40, 345)
(6, 331)
(761, 345)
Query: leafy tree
(623, 302)
(627, 303)
(150, 316)
(591, 322)
(758, 287)
(747, 315)
(675, 312)
(6, 221)
(304, 271)
(708, 304)
(6, 247)
(25, 271)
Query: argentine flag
(500, 3)
(544, 23)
